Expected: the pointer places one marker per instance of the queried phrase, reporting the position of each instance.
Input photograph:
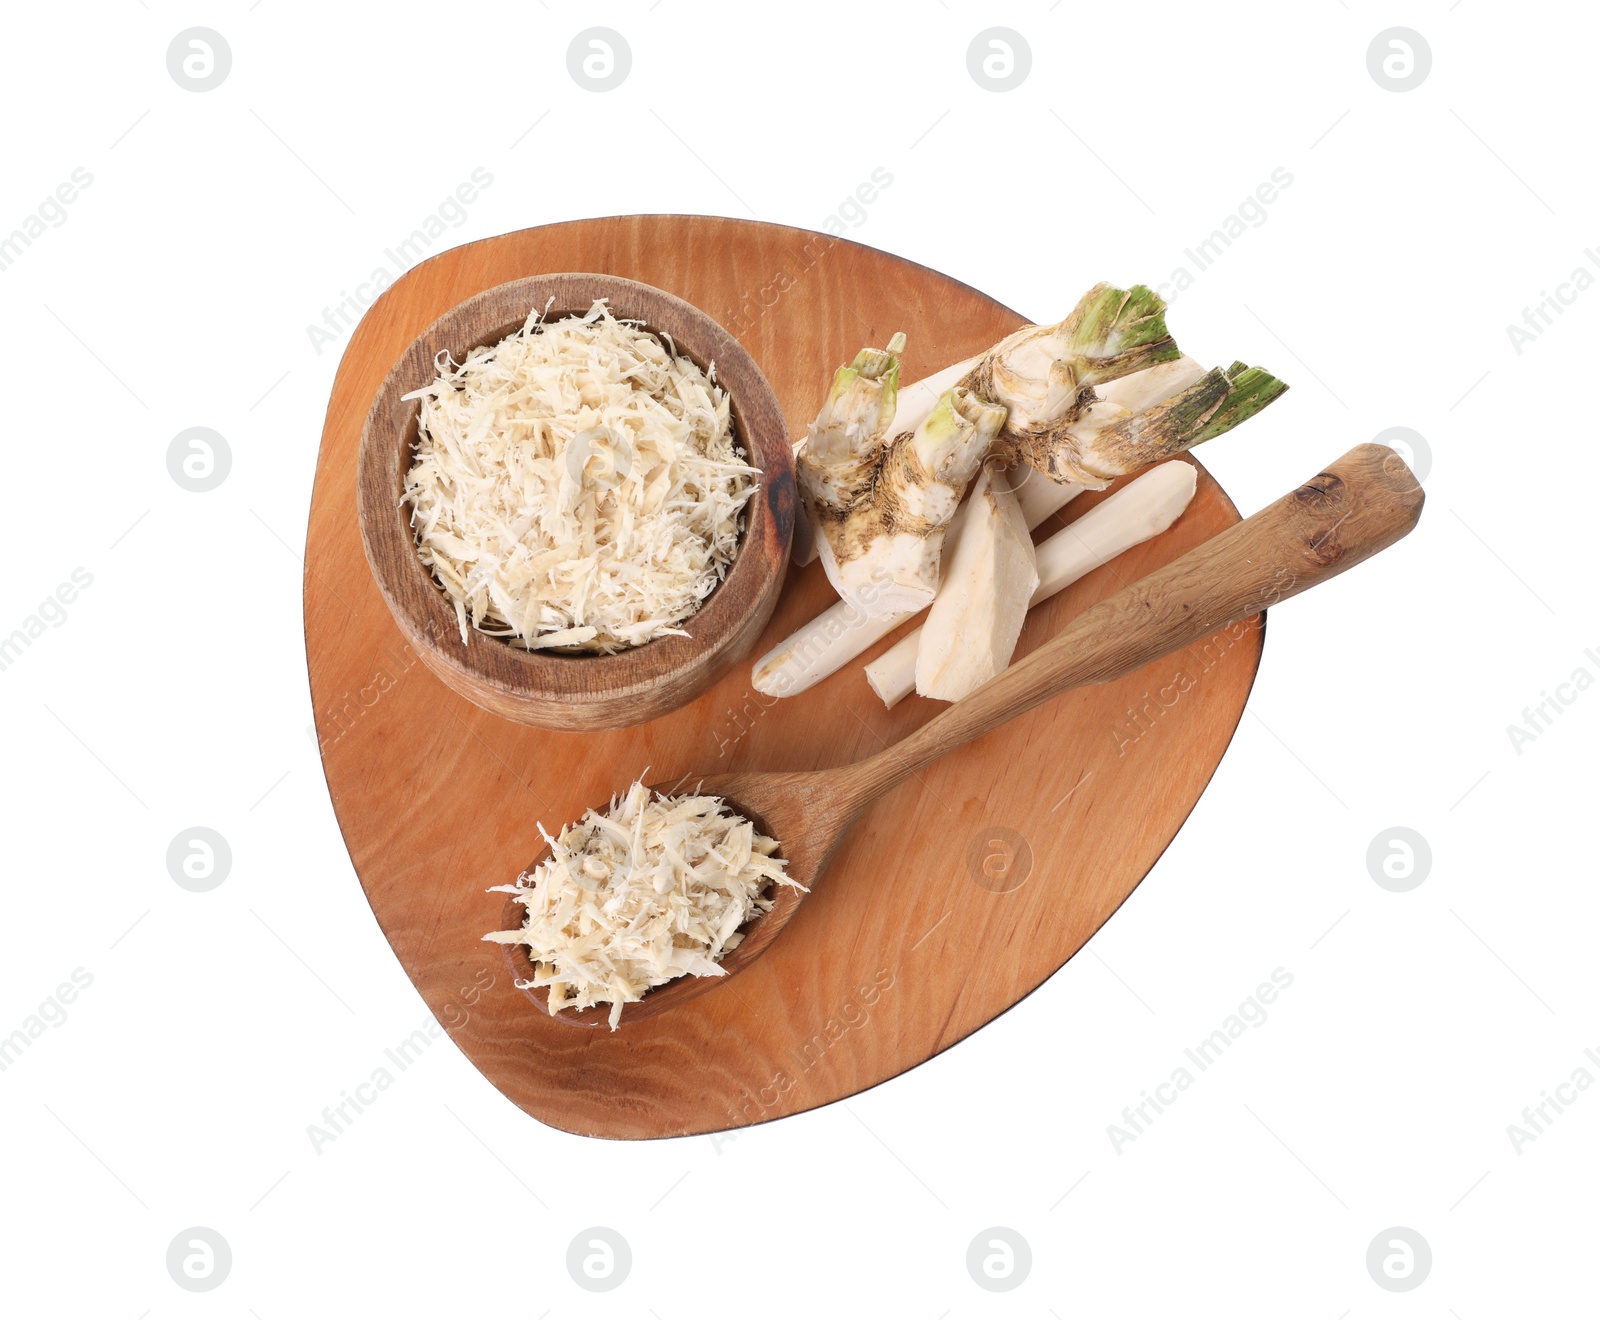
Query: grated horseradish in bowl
(576, 496)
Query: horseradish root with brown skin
(894, 540)
(879, 503)
(912, 404)
(1048, 378)
(1070, 416)
(576, 485)
(838, 461)
(649, 890)
(1044, 375)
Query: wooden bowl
(578, 692)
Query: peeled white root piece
(844, 630)
(1142, 509)
(1037, 496)
(822, 647)
(989, 576)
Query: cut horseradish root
(843, 631)
(1132, 421)
(1045, 375)
(576, 485)
(1064, 419)
(896, 543)
(1048, 378)
(652, 889)
(880, 504)
(1142, 509)
(912, 404)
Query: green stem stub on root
(1250, 390)
(1114, 332)
(836, 464)
(1102, 393)
(1212, 405)
(1044, 375)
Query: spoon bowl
(806, 814)
(1359, 505)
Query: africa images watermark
(346, 712)
(337, 1119)
(51, 612)
(341, 318)
(808, 643)
(1137, 1118)
(52, 1012)
(1153, 705)
(1540, 718)
(1536, 1119)
(1542, 315)
(1251, 213)
(851, 1016)
(851, 213)
(1147, 714)
(51, 213)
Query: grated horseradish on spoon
(652, 889)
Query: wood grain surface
(955, 895)
(1362, 503)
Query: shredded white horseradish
(653, 889)
(576, 485)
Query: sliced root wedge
(1144, 508)
(974, 621)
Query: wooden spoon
(1363, 503)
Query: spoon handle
(1361, 504)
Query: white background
(178, 292)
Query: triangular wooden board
(955, 895)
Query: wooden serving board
(955, 895)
